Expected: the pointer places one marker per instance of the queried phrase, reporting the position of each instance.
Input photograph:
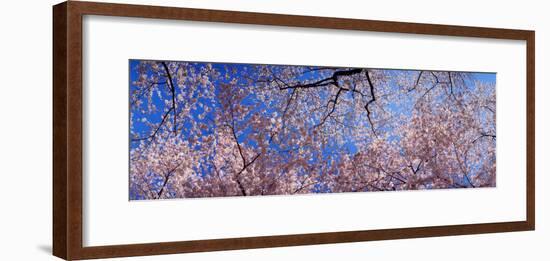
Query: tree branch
(494, 137)
(166, 177)
(451, 86)
(326, 81)
(157, 129)
(144, 91)
(417, 82)
(173, 90)
(372, 99)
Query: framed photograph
(186, 130)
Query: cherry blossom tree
(214, 130)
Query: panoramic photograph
(207, 129)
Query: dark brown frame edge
(67, 129)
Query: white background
(109, 218)
(25, 223)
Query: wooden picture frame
(68, 118)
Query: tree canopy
(220, 129)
